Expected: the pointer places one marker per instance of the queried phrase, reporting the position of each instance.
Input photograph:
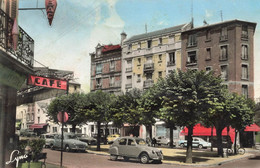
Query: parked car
(88, 139)
(133, 147)
(27, 133)
(196, 142)
(49, 139)
(112, 137)
(70, 143)
(161, 140)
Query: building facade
(106, 69)
(14, 68)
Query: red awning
(37, 126)
(253, 127)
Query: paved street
(88, 160)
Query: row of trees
(181, 99)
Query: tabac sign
(47, 82)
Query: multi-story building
(227, 48)
(14, 68)
(106, 68)
(150, 56)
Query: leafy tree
(67, 103)
(124, 108)
(189, 94)
(257, 113)
(97, 109)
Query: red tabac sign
(47, 82)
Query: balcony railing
(128, 69)
(148, 83)
(128, 85)
(25, 46)
(170, 63)
(148, 67)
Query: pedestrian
(153, 141)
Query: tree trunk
(98, 135)
(189, 145)
(73, 128)
(106, 133)
(235, 143)
(211, 136)
(150, 131)
(219, 141)
(171, 136)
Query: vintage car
(70, 143)
(111, 138)
(133, 147)
(88, 139)
(196, 142)
(49, 139)
(27, 133)
(161, 140)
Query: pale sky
(79, 25)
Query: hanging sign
(47, 82)
(50, 6)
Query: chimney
(123, 37)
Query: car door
(57, 142)
(195, 142)
(131, 148)
(122, 146)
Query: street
(88, 160)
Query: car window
(122, 141)
(196, 140)
(140, 142)
(71, 137)
(131, 142)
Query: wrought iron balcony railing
(148, 83)
(25, 47)
(148, 67)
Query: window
(128, 65)
(130, 47)
(244, 32)
(244, 72)
(149, 43)
(160, 74)
(192, 40)
(208, 56)
(98, 52)
(244, 52)
(208, 69)
(39, 111)
(122, 141)
(32, 117)
(98, 83)
(223, 53)
(75, 88)
(160, 41)
(38, 120)
(139, 45)
(208, 37)
(139, 61)
(171, 58)
(192, 57)
(160, 57)
(171, 39)
(149, 76)
(245, 90)
(223, 34)
(224, 72)
(112, 81)
(112, 65)
(99, 69)
(138, 78)
(28, 117)
(149, 59)
(131, 142)
(54, 129)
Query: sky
(79, 25)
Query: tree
(97, 109)
(124, 108)
(257, 113)
(189, 94)
(68, 103)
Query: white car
(196, 142)
(49, 139)
(161, 140)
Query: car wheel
(200, 146)
(181, 145)
(144, 158)
(113, 157)
(67, 148)
(126, 158)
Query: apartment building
(227, 48)
(106, 68)
(150, 56)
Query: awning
(37, 126)
(253, 127)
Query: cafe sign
(47, 82)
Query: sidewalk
(177, 156)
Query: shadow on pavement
(181, 159)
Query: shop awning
(37, 126)
(253, 127)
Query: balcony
(112, 69)
(148, 67)
(128, 69)
(148, 83)
(25, 46)
(223, 38)
(170, 63)
(128, 85)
